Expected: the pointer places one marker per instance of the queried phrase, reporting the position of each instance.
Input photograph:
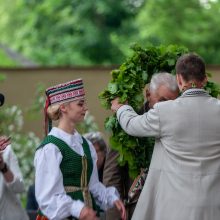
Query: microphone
(2, 99)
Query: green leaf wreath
(128, 82)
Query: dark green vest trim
(71, 164)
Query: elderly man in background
(97, 139)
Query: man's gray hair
(165, 79)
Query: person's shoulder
(8, 149)
(165, 104)
(214, 101)
(47, 146)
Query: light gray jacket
(184, 177)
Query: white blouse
(50, 194)
(10, 206)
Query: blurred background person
(96, 138)
(31, 205)
(11, 182)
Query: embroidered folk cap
(61, 93)
(65, 92)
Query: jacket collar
(194, 92)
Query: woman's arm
(12, 174)
(106, 197)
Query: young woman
(66, 182)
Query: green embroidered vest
(72, 166)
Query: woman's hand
(115, 104)
(2, 163)
(88, 214)
(4, 142)
(121, 208)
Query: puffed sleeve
(104, 196)
(17, 184)
(146, 125)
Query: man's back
(184, 175)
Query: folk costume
(66, 173)
(184, 174)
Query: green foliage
(68, 32)
(5, 60)
(2, 77)
(37, 105)
(194, 26)
(129, 80)
(213, 89)
(98, 32)
(127, 83)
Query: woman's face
(76, 110)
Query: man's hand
(115, 104)
(121, 208)
(88, 214)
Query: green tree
(192, 23)
(68, 32)
(84, 32)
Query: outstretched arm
(146, 125)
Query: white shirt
(50, 194)
(10, 206)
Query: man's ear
(147, 94)
(179, 80)
(205, 81)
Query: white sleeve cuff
(77, 208)
(112, 195)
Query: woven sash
(84, 185)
